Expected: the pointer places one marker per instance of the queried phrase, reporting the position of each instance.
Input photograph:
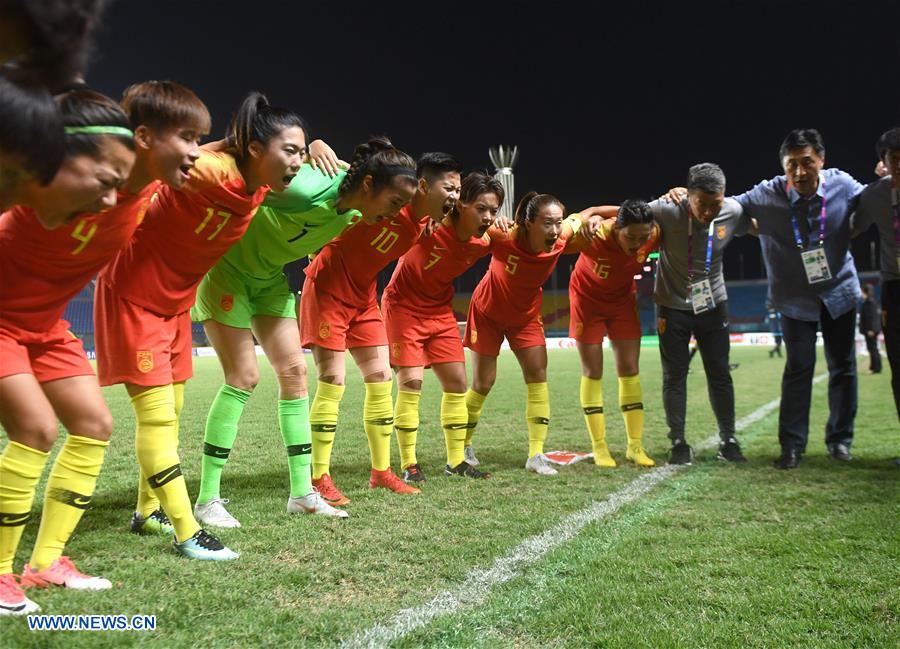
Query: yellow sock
(454, 421)
(20, 469)
(68, 495)
(156, 443)
(323, 416)
(537, 416)
(147, 502)
(591, 394)
(378, 419)
(630, 397)
(406, 421)
(474, 404)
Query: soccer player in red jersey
(602, 299)
(45, 373)
(421, 326)
(339, 308)
(143, 297)
(507, 303)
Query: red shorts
(137, 346)
(56, 354)
(590, 320)
(484, 335)
(327, 322)
(421, 341)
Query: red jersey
(422, 283)
(348, 266)
(43, 269)
(606, 272)
(185, 234)
(510, 292)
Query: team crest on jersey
(227, 302)
(641, 257)
(324, 330)
(720, 232)
(661, 325)
(395, 349)
(145, 361)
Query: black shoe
(840, 452)
(681, 452)
(413, 474)
(467, 470)
(730, 451)
(789, 459)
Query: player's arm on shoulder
(322, 157)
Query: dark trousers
(711, 331)
(890, 313)
(874, 354)
(796, 383)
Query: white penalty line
(480, 581)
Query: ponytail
(258, 121)
(531, 204)
(382, 161)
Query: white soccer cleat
(313, 503)
(540, 465)
(214, 514)
(12, 597)
(62, 572)
(469, 456)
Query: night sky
(604, 102)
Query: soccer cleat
(469, 456)
(387, 479)
(467, 470)
(601, 455)
(540, 465)
(681, 452)
(638, 455)
(313, 503)
(12, 597)
(214, 514)
(156, 523)
(413, 473)
(205, 547)
(327, 489)
(62, 572)
(730, 451)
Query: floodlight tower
(503, 158)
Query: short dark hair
(31, 127)
(84, 107)
(163, 105)
(706, 177)
(801, 138)
(477, 184)
(433, 164)
(889, 141)
(632, 212)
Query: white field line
(480, 581)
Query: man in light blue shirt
(804, 230)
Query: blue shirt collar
(794, 197)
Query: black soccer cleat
(467, 470)
(413, 474)
(681, 453)
(730, 451)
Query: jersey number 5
(210, 212)
(512, 264)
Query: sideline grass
(309, 582)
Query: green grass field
(714, 556)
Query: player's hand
(503, 224)
(754, 227)
(674, 195)
(321, 156)
(589, 227)
(430, 226)
(881, 169)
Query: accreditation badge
(701, 297)
(816, 265)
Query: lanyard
(797, 238)
(895, 209)
(709, 246)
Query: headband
(99, 130)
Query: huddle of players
(177, 233)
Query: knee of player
(292, 370)
(411, 385)
(379, 376)
(97, 426)
(455, 385)
(38, 435)
(244, 379)
(536, 375)
(483, 385)
(628, 369)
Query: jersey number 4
(84, 237)
(210, 212)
